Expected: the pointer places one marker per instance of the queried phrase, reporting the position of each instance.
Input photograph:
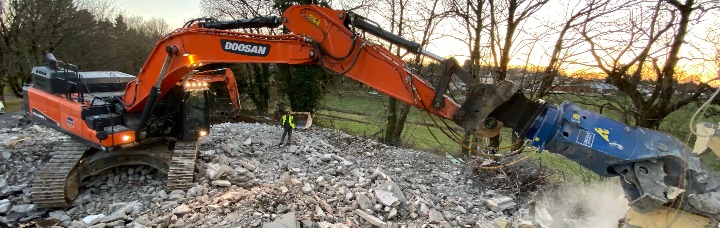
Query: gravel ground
(326, 178)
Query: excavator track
(182, 166)
(51, 187)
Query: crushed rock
(327, 178)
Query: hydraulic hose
(155, 90)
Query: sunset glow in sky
(177, 12)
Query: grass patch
(13, 104)
(361, 113)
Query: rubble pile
(325, 178)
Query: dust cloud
(597, 205)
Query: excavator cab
(196, 119)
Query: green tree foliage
(254, 80)
(74, 35)
(302, 85)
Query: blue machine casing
(595, 141)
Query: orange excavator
(119, 119)
(156, 117)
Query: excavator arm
(343, 50)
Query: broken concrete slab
(364, 202)
(221, 183)
(284, 221)
(371, 219)
(60, 215)
(393, 187)
(500, 203)
(92, 219)
(5, 206)
(182, 209)
(23, 208)
(435, 217)
(386, 197)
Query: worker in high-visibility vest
(287, 125)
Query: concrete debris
(319, 213)
(182, 209)
(329, 179)
(284, 221)
(386, 198)
(22, 208)
(323, 204)
(500, 203)
(395, 189)
(369, 218)
(525, 224)
(486, 224)
(542, 215)
(392, 213)
(673, 192)
(435, 216)
(221, 183)
(247, 165)
(61, 216)
(292, 149)
(5, 206)
(92, 219)
(424, 210)
(364, 201)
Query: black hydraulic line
(365, 25)
(155, 90)
(451, 65)
(257, 22)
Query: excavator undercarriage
(57, 183)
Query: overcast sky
(174, 12)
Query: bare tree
(582, 12)
(510, 14)
(660, 28)
(470, 14)
(423, 23)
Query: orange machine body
(65, 115)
